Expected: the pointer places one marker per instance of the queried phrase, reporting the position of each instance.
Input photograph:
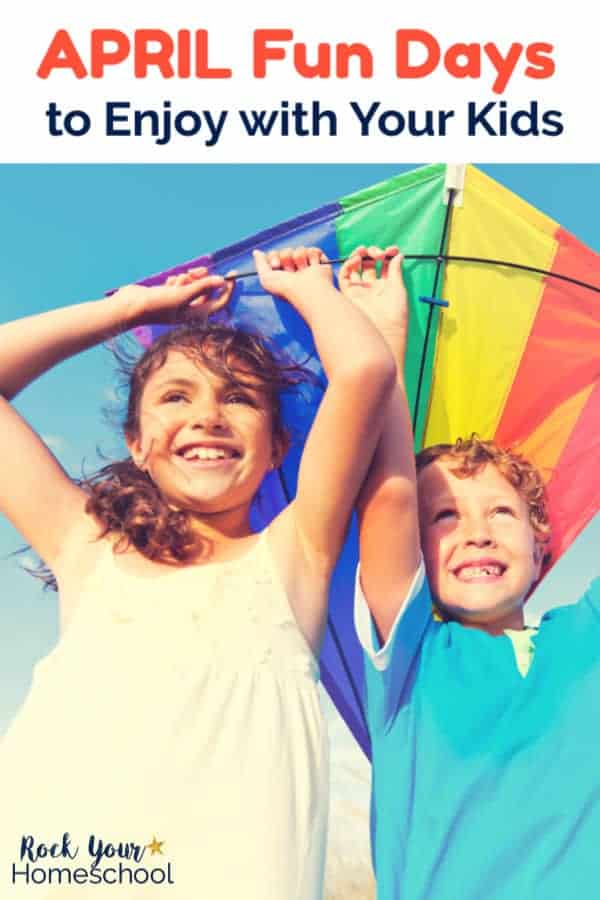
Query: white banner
(263, 82)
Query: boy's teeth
(468, 572)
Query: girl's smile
(205, 440)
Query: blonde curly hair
(471, 454)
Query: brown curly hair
(472, 454)
(122, 497)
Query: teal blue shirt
(486, 784)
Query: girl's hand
(380, 297)
(297, 276)
(192, 294)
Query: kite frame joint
(455, 181)
(434, 301)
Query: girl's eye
(239, 398)
(174, 397)
(444, 514)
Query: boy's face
(480, 550)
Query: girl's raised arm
(361, 374)
(36, 494)
(387, 502)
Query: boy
(486, 772)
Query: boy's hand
(297, 276)
(382, 298)
(191, 295)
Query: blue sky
(68, 233)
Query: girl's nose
(208, 415)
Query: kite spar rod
(444, 257)
(438, 271)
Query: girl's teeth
(205, 453)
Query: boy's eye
(444, 514)
(174, 397)
(504, 510)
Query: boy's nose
(478, 534)
(480, 541)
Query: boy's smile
(479, 546)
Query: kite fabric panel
(514, 357)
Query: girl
(174, 734)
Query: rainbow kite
(513, 356)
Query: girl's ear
(281, 445)
(135, 449)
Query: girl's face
(206, 442)
(479, 546)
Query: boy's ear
(538, 558)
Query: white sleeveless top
(181, 708)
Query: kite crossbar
(444, 257)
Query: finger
(182, 279)
(301, 257)
(214, 304)
(315, 256)
(390, 252)
(274, 259)
(369, 266)
(376, 252)
(198, 292)
(198, 271)
(350, 266)
(350, 272)
(395, 268)
(261, 260)
(208, 294)
(287, 260)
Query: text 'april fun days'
(414, 53)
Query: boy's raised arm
(387, 503)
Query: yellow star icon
(155, 846)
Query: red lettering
(160, 56)
(102, 55)
(505, 66)
(345, 52)
(470, 67)
(184, 55)
(542, 65)
(263, 52)
(203, 69)
(61, 54)
(320, 69)
(404, 38)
